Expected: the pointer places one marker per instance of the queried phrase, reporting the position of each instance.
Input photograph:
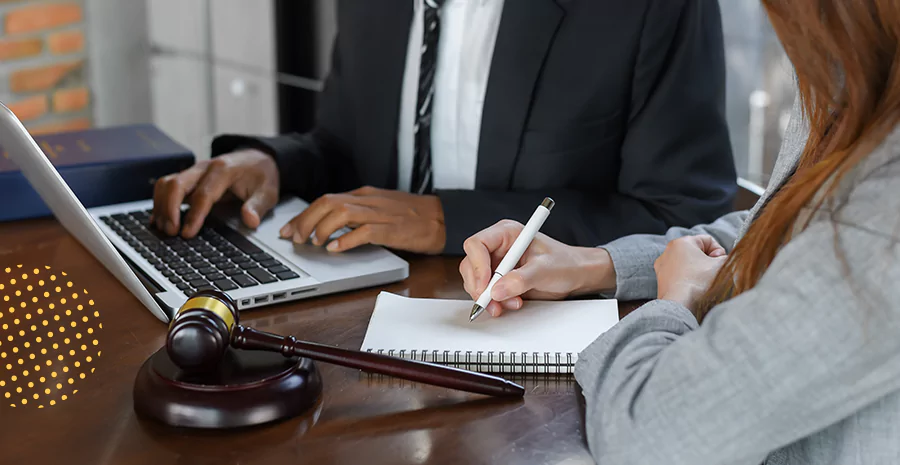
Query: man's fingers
(208, 191)
(340, 217)
(365, 234)
(303, 224)
(168, 195)
(259, 203)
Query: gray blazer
(803, 369)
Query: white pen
(514, 254)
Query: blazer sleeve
(633, 256)
(812, 344)
(676, 161)
(316, 162)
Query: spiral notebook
(542, 337)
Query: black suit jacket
(614, 108)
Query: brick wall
(42, 64)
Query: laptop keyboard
(217, 258)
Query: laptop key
(225, 284)
(210, 254)
(269, 263)
(231, 252)
(286, 275)
(190, 276)
(214, 276)
(244, 280)
(218, 259)
(168, 273)
(261, 275)
(240, 259)
(197, 282)
(233, 271)
(208, 287)
(237, 239)
(183, 286)
(261, 256)
(206, 270)
(160, 266)
(248, 265)
(277, 269)
(189, 292)
(174, 279)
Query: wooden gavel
(208, 323)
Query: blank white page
(402, 323)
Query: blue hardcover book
(102, 167)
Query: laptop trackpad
(312, 259)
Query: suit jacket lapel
(526, 32)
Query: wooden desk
(360, 420)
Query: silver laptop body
(271, 270)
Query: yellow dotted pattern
(48, 337)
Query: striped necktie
(422, 175)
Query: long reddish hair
(847, 62)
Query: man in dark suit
(464, 112)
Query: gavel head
(201, 331)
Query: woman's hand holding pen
(548, 270)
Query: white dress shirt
(465, 50)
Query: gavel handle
(422, 372)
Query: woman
(783, 348)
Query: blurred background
(197, 68)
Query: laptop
(255, 267)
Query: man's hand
(394, 219)
(250, 175)
(686, 269)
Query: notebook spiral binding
(491, 362)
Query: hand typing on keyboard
(394, 219)
(250, 175)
